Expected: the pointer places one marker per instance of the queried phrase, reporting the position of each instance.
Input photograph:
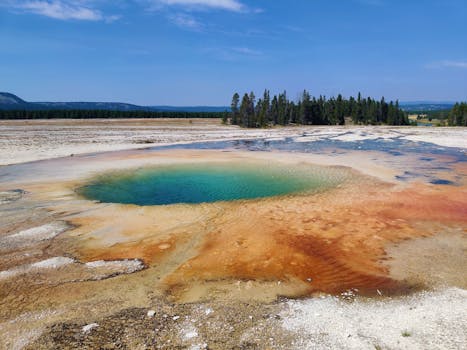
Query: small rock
(89, 327)
(191, 334)
(151, 313)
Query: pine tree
(265, 109)
(234, 108)
(244, 111)
(340, 110)
(305, 108)
(251, 111)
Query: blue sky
(198, 52)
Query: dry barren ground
(23, 141)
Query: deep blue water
(204, 183)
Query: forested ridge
(458, 115)
(279, 110)
(102, 114)
(455, 116)
(267, 111)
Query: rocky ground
(425, 320)
(176, 326)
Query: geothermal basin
(234, 222)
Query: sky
(199, 52)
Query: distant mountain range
(425, 106)
(10, 101)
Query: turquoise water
(205, 183)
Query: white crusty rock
(89, 327)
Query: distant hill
(425, 106)
(111, 106)
(9, 101)
(191, 109)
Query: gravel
(427, 320)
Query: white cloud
(112, 18)
(62, 9)
(185, 21)
(455, 64)
(447, 64)
(246, 51)
(229, 5)
(233, 53)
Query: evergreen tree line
(308, 110)
(104, 114)
(458, 115)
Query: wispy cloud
(372, 2)
(447, 64)
(246, 51)
(233, 53)
(185, 21)
(229, 5)
(61, 9)
(180, 12)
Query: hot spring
(210, 182)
